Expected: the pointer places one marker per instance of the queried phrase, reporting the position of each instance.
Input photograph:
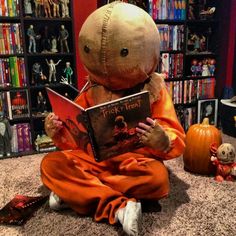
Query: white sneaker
(55, 203)
(130, 217)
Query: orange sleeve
(164, 112)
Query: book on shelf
(110, 126)
(17, 104)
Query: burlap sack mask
(119, 46)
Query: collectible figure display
(205, 67)
(5, 137)
(46, 7)
(41, 103)
(28, 8)
(45, 40)
(52, 70)
(37, 73)
(68, 72)
(37, 8)
(54, 44)
(224, 160)
(56, 10)
(65, 8)
(32, 39)
(63, 37)
(112, 190)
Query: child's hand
(52, 124)
(153, 135)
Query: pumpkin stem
(205, 121)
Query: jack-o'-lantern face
(226, 153)
(119, 45)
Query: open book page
(112, 124)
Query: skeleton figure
(5, 137)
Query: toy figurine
(54, 44)
(56, 12)
(5, 137)
(41, 103)
(52, 70)
(37, 8)
(199, 68)
(196, 40)
(36, 73)
(46, 7)
(32, 38)
(68, 72)
(28, 8)
(65, 8)
(224, 160)
(194, 67)
(205, 69)
(212, 66)
(63, 35)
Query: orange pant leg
(88, 186)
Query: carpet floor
(197, 205)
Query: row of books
(11, 38)
(167, 9)
(15, 104)
(189, 91)
(21, 138)
(172, 65)
(171, 37)
(198, 89)
(9, 8)
(12, 72)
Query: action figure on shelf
(52, 70)
(37, 72)
(5, 137)
(65, 8)
(56, 10)
(212, 66)
(32, 38)
(28, 8)
(205, 68)
(38, 8)
(63, 36)
(194, 67)
(199, 68)
(47, 9)
(41, 103)
(196, 39)
(68, 73)
(224, 160)
(53, 44)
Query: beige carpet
(197, 205)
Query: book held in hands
(109, 127)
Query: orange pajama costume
(88, 186)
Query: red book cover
(20, 209)
(110, 126)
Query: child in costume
(120, 52)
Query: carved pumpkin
(199, 139)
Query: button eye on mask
(86, 49)
(124, 52)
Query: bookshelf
(187, 37)
(27, 67)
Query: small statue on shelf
(56, 10)
(47, 8)
(54, 45)
(63, 36)
(196, 39)
(199, 68)
(52, 70)
(212, 66)
(194, 67)
(68, 73)
(28, 8)
(205, 69)
(41, 103)
(37, 8)
(65, 8)
(32, 38)
(37, 73)
(5, 137)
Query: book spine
(27, 137)
(19, 131)
(14, 145)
